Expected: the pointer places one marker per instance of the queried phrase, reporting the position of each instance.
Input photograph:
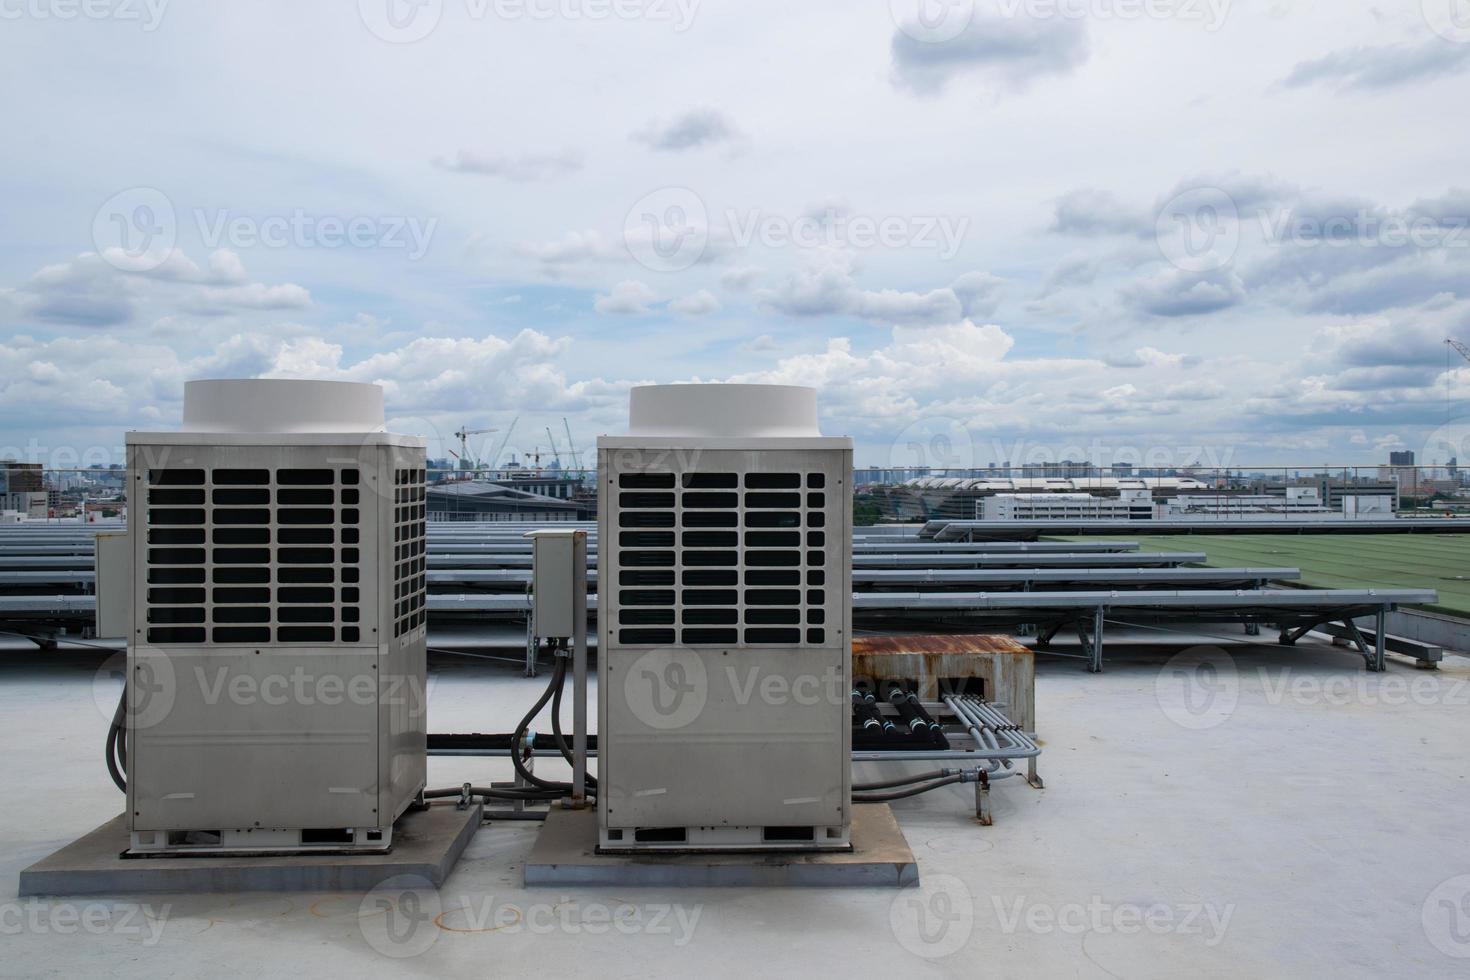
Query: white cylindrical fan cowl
(282, 406)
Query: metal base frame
(698, 840)
(1090, 633)
(163, 843)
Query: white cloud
(827, 288)
(1385, 66)
(740, 279)
(1148, 357)
(521, 168)
(1177, 292)
(89, 292)
(695, 304)
(255, 296)
(1010, 52)
(575, 248)
(693, 129)
(628, 297)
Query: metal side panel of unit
(403, 717)
(725, 738)
(234, 739)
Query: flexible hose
(494, 792)
(116, 747)
(558, 676)
(904, 793)
(907, 781)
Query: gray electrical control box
(114, 584)
(558, 557)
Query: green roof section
(1340, 561)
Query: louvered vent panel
(258, 555)
(721, 559)
(409, 547)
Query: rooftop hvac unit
(276, 658)
(724, 622)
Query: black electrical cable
(906, 793)
(116, 749)
(494, 792)
(557, 677)
(890, 784)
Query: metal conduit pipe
(988, 734)
(967, 711)
(977, 733)
(997, 722)
(1002, 724)
(1018, 747)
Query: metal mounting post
(579, 671)
(1380, 652)
(532, 648)
(1373, 660)
(1031, 777)
(1092, 644)
(982, 800)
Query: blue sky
(1144, 230)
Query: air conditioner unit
(724, 623)
(276, 660)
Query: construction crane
(571, 447)
(500, 450)
(555, 453)
(463, 435)
(1464, 351)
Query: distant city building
(22, 488)
(1297, 503)
(1404, 458)
(1134, 505)
(959, 498)
(478, 501)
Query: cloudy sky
(1141, 230)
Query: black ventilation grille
(242, 556)
(409, 547)
(721, 559)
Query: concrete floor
(1297, 817)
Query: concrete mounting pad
(426, 843)
(565, 853)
